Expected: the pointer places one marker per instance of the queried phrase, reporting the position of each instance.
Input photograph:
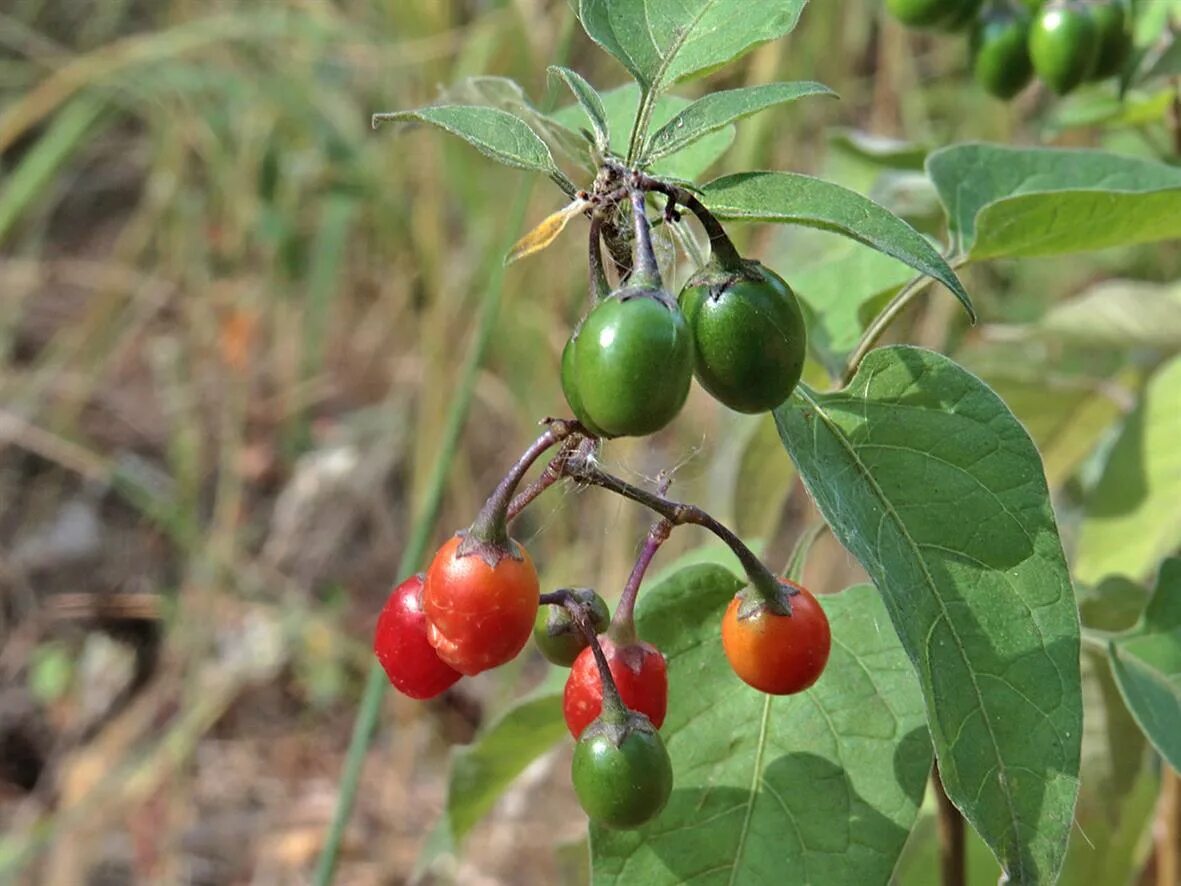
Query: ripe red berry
(777, 654)
(401, 645)
(639, 672)
(480, 604)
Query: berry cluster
(626, 370)
(1064, 42)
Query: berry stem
(764, 582)
(645, 271)
(550, 475)
(623, 624)
(720, 244)
(600, 287)
(491, 524)
(614, 710)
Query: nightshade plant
(919, 468)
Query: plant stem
(885, 319)
(720, 244)
(623, 625)
(600, 287)
(678, 514)
(550, 475)
(375, 683)
(613, 706)
(491, 523)
(645, 270)
(952, 860)
(1168, 828)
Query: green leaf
(1005, 201)
(821, 787)
(1132, 518)
(1146, 663)
(926, 477)
(1067, 417)
(481, 771)
(790, 198)
(663, 41)
(508, 95)
(589, 101)
(717, 109)
(1119, 314)
(620, 107)
(495, 133)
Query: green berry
(622, 773)
(556, 634)
(1115, 43)
(629, 364)
(749, 335)
(1063, 44)
(1000, 53)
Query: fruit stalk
(491, 523)
(623, 624)
(761, 578)
(720, 244)
(600, 288)
(613, 710)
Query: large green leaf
(790, 198)
(717, 109)
(929, 480)
(495, 133)
(1146, 662)
(821, 787)
(1004, 201)
(1132, 517)
(663, 41)
(620, 105)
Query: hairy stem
(623, 624)
(679, 514)
(491, 523)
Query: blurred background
(233, 319)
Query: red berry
(778, 654)
(639, 672)
(402, 647)
(479, 614)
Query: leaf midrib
(889, 510)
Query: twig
(952, 860)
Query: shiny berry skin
(964, 15)
(400, 643)
(570, 388)
(1064, 45)
(1000, 52)
(630, 364)
(622, 775)
(559, 638)
(479, 615)
(641, 676)
(777, 654)
(1115, 43)
(749, 336)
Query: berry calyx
(622, 773)
(749, 335)
(400, 643)
(640, 674)
(557, 636)
(480, 601)
(777, 654)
